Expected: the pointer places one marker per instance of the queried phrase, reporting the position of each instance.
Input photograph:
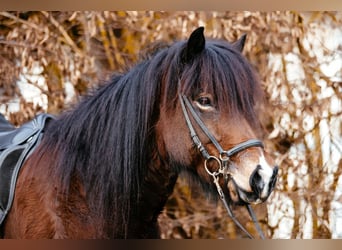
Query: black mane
(107, 139)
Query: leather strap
(224, 156)
(239, 147)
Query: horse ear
(195, 44)
(239, 44)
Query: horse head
(210, 130)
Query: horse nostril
(256, 182)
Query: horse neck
(158, 185)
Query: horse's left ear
(195, 44)
(239, 44)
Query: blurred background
(48, 60)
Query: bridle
(223, 160)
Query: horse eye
(204, 101)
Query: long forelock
(224, 72)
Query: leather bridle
(223, 160)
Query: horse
(106, 167)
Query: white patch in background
(70, 93)
(335, 215)
(31, 92)
(281, 215)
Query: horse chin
(248, 197)
(239, 196)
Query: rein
(223, 161)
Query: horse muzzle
(261, 184)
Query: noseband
(223, 160)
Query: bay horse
(106, 167)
